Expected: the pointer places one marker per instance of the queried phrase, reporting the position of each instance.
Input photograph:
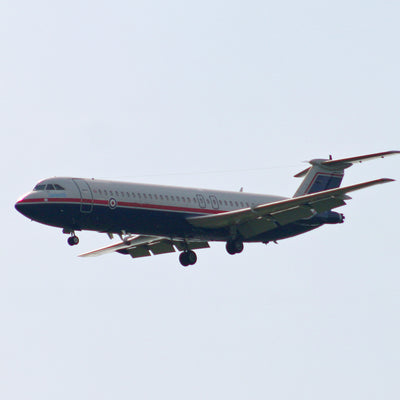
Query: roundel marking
(112, 203)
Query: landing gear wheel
(234, 246)
(188, 258)
(73, 240)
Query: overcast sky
(217, 94)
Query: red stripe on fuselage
(124, 204)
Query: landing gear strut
(234, 246)
(73, 240)
(188, 258)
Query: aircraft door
(201, 201)
(86, 195)
(214, 202)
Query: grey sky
(125, 90)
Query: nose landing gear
(73, 240)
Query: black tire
(238, 246)
(187, 258)
(230, 247)
(192, 257)
(234, 246)
(184, 259)
(73, 240)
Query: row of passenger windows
(144, 196)
(188, 200)
(49, 186)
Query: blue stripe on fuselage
(323, 182)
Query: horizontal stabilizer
(347, 162)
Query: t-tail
(325, 174)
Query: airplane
(155, 219)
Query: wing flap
(143, 246)
(271, 221)
(182, 245)
(162, 247)
(327, 204)
(256, 227)
(139, 251)
(292, 214)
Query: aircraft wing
(143, 245)
(252, 221)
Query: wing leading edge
(265, 217)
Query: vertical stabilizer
(328, 174)
(319, 177)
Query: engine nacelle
(331, 217)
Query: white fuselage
(111, 206)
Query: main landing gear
(73, 240)
(187, 258)
(234, 246)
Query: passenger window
(127, 194)
(161, 197)
(111, 192)
(241, 204)
(188, 199)
(167, 198)
(230, 202)
(236, 204)
(117, 193)
(172, 198)
(226, 203)
(150, 196)
(133, 195)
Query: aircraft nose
(20, 206)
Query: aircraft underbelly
(146, 222)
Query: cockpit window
(39, 187)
